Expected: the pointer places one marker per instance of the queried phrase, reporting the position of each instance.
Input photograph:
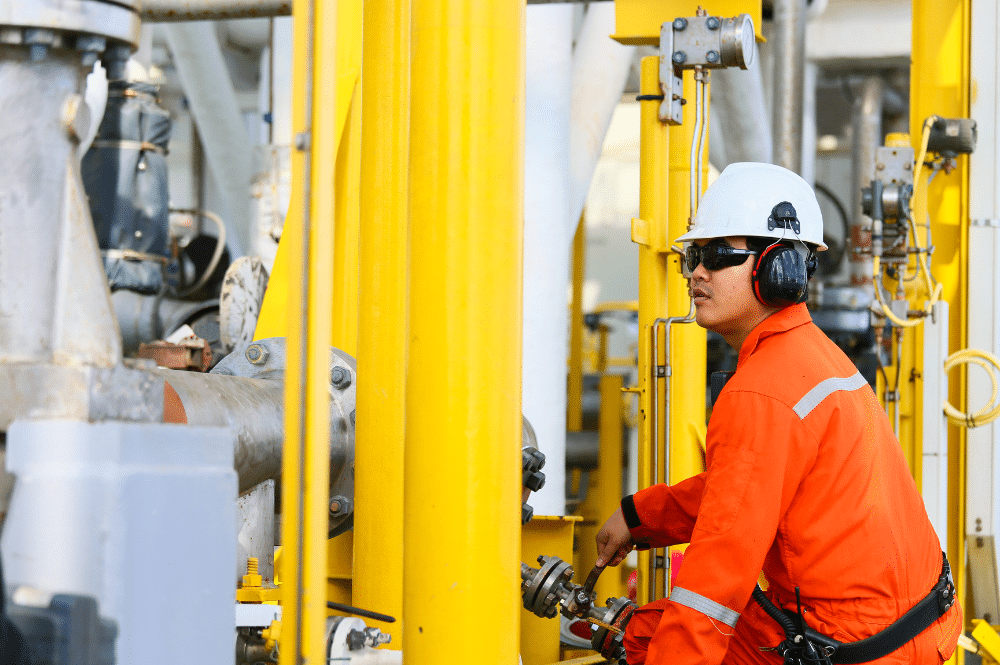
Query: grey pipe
(866, 121)
(212, 10)
(789, 77)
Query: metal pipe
(789, 74)
(574, 408)
(212, 10)
(700, 163)
(743, 121)
(463, 418)
(385, 228)
(866, 121)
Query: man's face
(724, 298)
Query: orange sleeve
(758, 452)
(664, 515)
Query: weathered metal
(212, 10)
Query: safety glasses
(715, 256)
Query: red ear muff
(754, 279)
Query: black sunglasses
(715, 256)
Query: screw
(680, 24)
(712, 23)
(712, 56)
(339, 505)
(257, 354)
(679, 57)
(541, 560)
(340, 378)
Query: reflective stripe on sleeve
(826, 388)
(704, 605)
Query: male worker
(805, 479)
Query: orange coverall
(807, 482)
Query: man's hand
(614, 541)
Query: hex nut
(340, 378)
(713, 23)
(712, 56)
(679, 57)
(680, 23)
(257, 354)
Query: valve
(548, 590)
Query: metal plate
(118, 21)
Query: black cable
(774, 612)
(357, 611)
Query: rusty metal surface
(189, 354)
(212, 10)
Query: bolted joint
(680, 23)
(713, 23)
(679, 57)
(340, 505)
(712, 56)
(257, 354)
(340, 378)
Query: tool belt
(805, 645)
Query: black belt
(915, 621)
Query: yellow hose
(902, 323)
(991, 411)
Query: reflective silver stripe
(704, 605)
(826, 388)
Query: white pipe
(205, 77)
(600, 69)
(738, 102)
(547, 238)
(281, 94)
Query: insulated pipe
(866, 122)
(600, 70)
(547, 240)
(205, 77)
(743, 121)
(212, 10)
(462, 465)
(382, 329)
(789, 75)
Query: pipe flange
(609, 643)
(81, 24)
(544, 591)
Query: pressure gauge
(738, 39)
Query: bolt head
(257, 354)
(340, 378)
(680, 23)
(712, 56)
(712, 23)
(541, 559)
(679, 57)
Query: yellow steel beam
(463, 418)
(339, 84)
(574, 403)
(309, 256)
(650, 232)
(637, 22)
(385, 214)
(989, 641)
(939, 77)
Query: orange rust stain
(173, 408)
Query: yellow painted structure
(336, 85)
(544, 536)
(939, 80)
(650, 232)
(308, 260)
(382, 334)
(637, 22)
(463, 416)
(574, 398)
(989, 641)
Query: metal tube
(382, 329)
(699, 164)
(574, 407)
(789, 74)
(695, 185)
(463, 419)
(212, 10)
(866, 121)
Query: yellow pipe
(608, 488)
(650, 231)
(463, 418)
(574, 404)
(385, 212)
(940, 85)
(347, 227)
(306, 459)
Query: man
(805, 479)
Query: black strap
(915, 621)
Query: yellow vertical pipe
(385, 217)
(306, 459)
(347, 228)
(939, 75)
(654, 141)
(463, 419)
(608, 489)
(688, 343)
(574, 404)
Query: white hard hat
(741, 201)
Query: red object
(632, 585)
(806, 482)
(676, 559)
(581, 629)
